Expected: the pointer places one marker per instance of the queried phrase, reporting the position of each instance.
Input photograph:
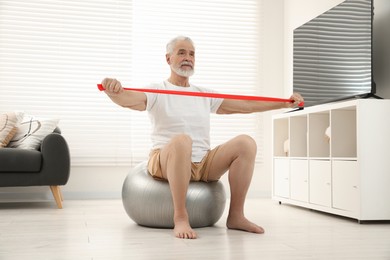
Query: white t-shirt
(171, 115)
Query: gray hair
(171, 44)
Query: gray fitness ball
(148, 201)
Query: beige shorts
(199, 170)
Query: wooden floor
(102, 230)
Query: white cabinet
(281, 174)
(345, 185)
(334, 158)
(320, 182)
(299, 180)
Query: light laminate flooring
(100, 229)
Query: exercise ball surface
(148, 201)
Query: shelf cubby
(343, 129)
(319, 144)
(298, 136)
(281, 131)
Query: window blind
(54, 52)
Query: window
(54, 52)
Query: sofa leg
(57, 195)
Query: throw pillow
(9, 122)
(31, 131)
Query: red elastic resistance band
(206, 94)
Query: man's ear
(168, 58)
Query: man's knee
(247, 144)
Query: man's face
(182, 59)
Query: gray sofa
(48, 166)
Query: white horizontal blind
(53, 52)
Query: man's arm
(230, 106)
(129, 99)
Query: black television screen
(333, 54)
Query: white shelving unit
(335, 158)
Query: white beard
(181, 72)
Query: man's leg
(175, 159)
(238, 156)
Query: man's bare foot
(241, 223)
(183, 229)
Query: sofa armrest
(55, 160)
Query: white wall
(272, 84)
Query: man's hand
(297, 98)
(112, 87)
